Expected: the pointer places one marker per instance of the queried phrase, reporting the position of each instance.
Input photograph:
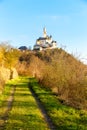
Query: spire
(44, 32)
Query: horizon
(22, 22)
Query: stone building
(45, 42)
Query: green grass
(3, 98)
(64, 117)
(3, 101)
(25, 114)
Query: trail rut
(4, 117)
(43, 111)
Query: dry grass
(61, 72)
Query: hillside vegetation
(50, 92)
(25, 113)
(54, 69)
(8, 60)
(63, 117)
(58, 71)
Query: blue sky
(22, 22)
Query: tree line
(8, 59)
(58, 71)
(54, 69)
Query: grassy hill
(22, 104)
(59, 71)
(54, 69)
(57, 79)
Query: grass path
(44, 112)
(26, 99)
(25, 114)
(6, 100)
(63, 117)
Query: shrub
(65, 76)
(59, 71)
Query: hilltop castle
(45, 42)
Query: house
(45, 42)
(23, 48)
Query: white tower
(44, 32)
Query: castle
(45, 42)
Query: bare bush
(65, 76)
(59, 71)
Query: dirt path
(43, 111)
(9, 106)
(3, 119)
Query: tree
(9, 56)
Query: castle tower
(44, 32)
